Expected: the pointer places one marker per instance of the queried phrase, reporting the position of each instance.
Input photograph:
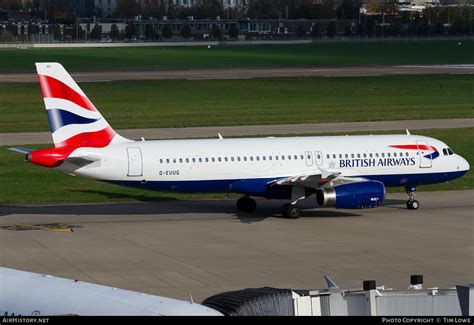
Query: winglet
(330, 282)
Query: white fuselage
(211, 165)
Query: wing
(321, 179)
(308, 180)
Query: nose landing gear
(412, 204)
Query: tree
(347, 31)
(264, 9)
(130, 30)
(80, 33)
(127, 8)
(150, 32)
(216, 32)
(114, 32)
(57, 32)
(315, 30)
(167, 32)
(96, 32)
(186, 31)
(233, 31)
(300, 31)
(332, 29)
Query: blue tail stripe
(59, 118)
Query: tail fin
(73, 119)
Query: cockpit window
(450, 152)
(445, 151)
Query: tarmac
(203, 247)
(248, 73)
(26, 138)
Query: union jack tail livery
(74, 120)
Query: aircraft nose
(463, 164)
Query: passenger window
(383, 155)
(407, 154)
(347, 156)
(257, 158)
(340, 156)
(245, 158)
(282, 157)
(219, 159)
(377, 154)
(200, 159)
(269, 157)
(207, 159)
(371, 155)
(352, 155)
(238, 158)
(388, 155)
(180, 160)
(187, 160)
(167, 161)
(276, 157)
(295, 157)
(358, 155)
(302, 157)
(161, 160)
(289, 157)
(225, 159)
(334, 156)
(264, 157)
(251, 158)
(213, 159)
(231, 158)
(365, 155)
(194, 160)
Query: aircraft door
(309, 158)
(135, 164)
(424, 152)
(318, 156)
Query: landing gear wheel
(246, 204)
(413, 205)
(292, 212)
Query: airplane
(345, 172)
(32, 294)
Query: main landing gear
(291, 211)
(412, 204)
(246, 204)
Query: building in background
(105, 8)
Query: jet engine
(359, 195)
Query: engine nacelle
(51, 157)
(360, 195)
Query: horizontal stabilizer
(21, 150)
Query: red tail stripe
(53, 88)
(98, 139)
(415, 147)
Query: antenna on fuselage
(408, 132)
(220, 136)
